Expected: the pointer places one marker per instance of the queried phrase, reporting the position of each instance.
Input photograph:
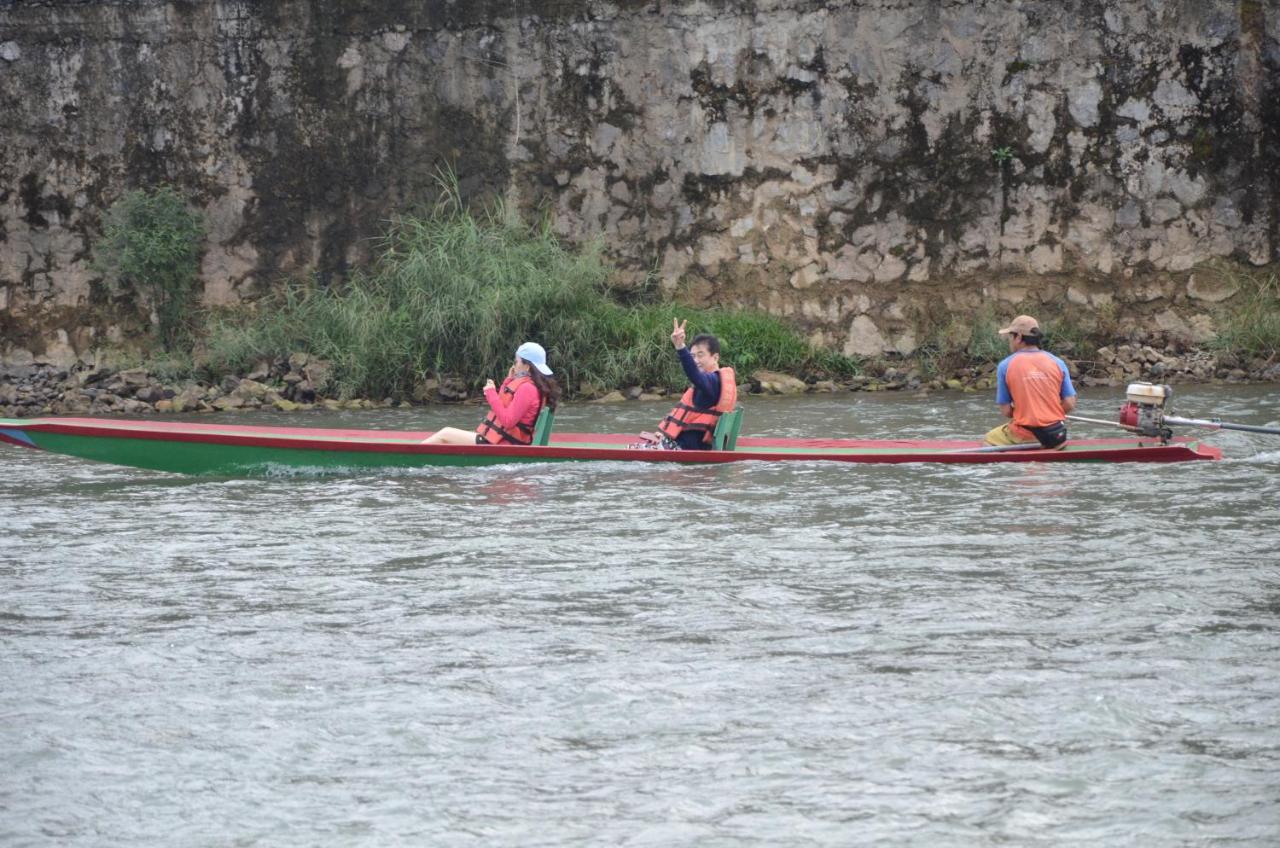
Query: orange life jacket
(686, 416)
(491, 431)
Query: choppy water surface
(611, 654)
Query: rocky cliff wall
(847, 164)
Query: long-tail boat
(240, 450)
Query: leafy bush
(985, 344)
(151, 244)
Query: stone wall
(847, 164)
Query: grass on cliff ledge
(455, 292)
(1249, 326)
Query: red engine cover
(1129, 414)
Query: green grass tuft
(1249, 327)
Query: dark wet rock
(150, 394)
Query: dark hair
(709, 341)
(546, 386)
(1033, 339)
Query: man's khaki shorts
(1004, 435)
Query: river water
(612, 654)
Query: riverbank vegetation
(150, 252)
(1249, 326)
(453, 292)
(450, 293)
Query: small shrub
(1071, 334)
(151, 244)
(1249, 325)
(951, 342)
(985, 342)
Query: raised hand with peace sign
(677, 332)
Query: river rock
(251, 389)
(453, 389)
(150, 394)
(774, 383)
(425, 390)
(1211, 288)
(134, 377)
(318, 372)
(261, 371)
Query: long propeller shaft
(1221, 425)
(1186, 422)
(1103, 422)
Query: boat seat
(542, 427)
(725, 436)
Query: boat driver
(1033, 389)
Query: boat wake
(1263, 458)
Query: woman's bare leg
(451, 436)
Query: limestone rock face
(786, 154)
(865, 338)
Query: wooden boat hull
(241, 450)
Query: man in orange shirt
(1033, 388)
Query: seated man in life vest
(712, 391)
(1033, 389)
(513, 406)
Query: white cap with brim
(533, 353)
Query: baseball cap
(533, 353)
(1023, 325)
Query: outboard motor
(1143, 411)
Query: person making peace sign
(712, 391)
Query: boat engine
(1143, 410)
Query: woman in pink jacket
(513, 406)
